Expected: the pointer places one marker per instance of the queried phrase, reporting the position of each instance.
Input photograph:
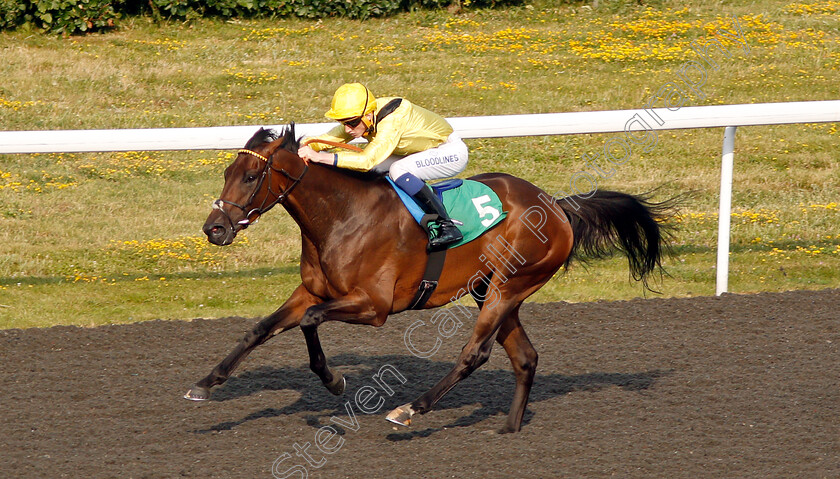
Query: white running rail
(230, 137)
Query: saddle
(473, 207)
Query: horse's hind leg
(475, 353)
(523, 358)
(286, 317)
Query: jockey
(409, 142)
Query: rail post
(725, 211)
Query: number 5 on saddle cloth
(473, 207)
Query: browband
(254, 153)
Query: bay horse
(363, 256)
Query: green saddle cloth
(476, 206)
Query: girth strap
(431, 276)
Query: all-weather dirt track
(733, 386)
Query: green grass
(91, 239)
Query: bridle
(266, 173)
(266, 205)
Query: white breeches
(444, 161)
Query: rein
(335, 144)
(280, 197)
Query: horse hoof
(401, 415)
(338, 384)
(197, 393)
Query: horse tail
(604, 222)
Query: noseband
(266, 205)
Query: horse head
(257, 180)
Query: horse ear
(290, 142)
(286, 141)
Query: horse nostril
(214, 231)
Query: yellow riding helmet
(351, 100)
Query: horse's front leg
(355, 308)
(286, 317)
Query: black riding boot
(448, 233)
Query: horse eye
(250, 178)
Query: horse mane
(291, 143)
(263, 135)
(267, 135)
